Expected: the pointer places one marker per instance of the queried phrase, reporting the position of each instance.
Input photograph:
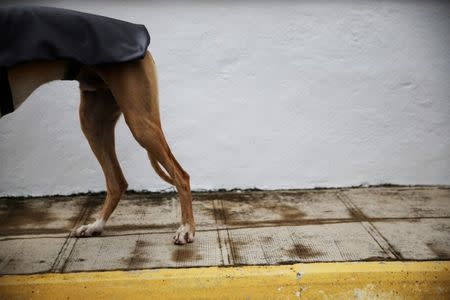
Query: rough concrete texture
(266, 94)
(234, 228)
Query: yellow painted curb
(361, 280)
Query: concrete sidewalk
(233, 228)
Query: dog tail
(160, 172)
(154, 104)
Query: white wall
(267, 94)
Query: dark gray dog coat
(31, 33)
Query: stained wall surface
(267, 94)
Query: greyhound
(109, 90)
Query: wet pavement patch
(299, 251)
(23, 212)
(139, 256)
(440, 251)
(185, 254)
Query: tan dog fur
(107, 92)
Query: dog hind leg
(134, 85)
(151, 137)
(98, 116)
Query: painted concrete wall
(267, 94)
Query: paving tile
(326, 242)
(39, 215)
(141, 251)
(280, 208)
(401, 202)
(141, 213)
(31, 255)
(421, 239)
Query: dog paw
(184, 234)
(92, 229)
